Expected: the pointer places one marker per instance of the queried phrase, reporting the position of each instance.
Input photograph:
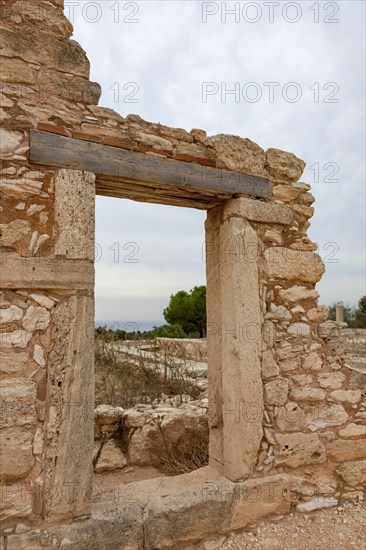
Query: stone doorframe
(235, 321)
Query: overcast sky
(152, 58)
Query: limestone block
(290, 364)
(331, 380)
(16, 71)
(285, 263)
(106, 414)
(341, 450)
(18, 388)
(9, 142)
(96, 129)
(307, 393)
(135, 419)
(276, 391)
(317, 504)
(297, 309)
(38, 355)
(185, 509)
(353, 430)
(325, 415)
(329, 329)
(257, 498)
(181, 429)
(43, 300)
(36, 318)
(347, 396)
(300, 330)
(38, 442)
(318, 314)
(285, 193)
(74, 214)
(105, 112)
(259, 211)
(273, 236)
(269, 365)
(297, 293)
(69, 426)
(290, 418)
(313, 362)
(18, 412)
(69, 87)
(20, 188)
(58, 53)
(280, 313)
(296, 449)
(16, 457)
(12, 361)
(269, 333)
(109, 525)
(306, 211)
(353, 473)
(111, 458)
(5, 101)
(12, 313)
(176, 133)
(214, 343)
(192, 149)
(238, 154)
(44, 16)
(154, 141)
(15, 501)
(283, 166)
(16, 339)
(14, 231)
(241, 367)
(302, 379)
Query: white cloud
(169, 53)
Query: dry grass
(126, 382)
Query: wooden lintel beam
(51, 273)
(49, 149)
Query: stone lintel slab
(166, 513)
(45, 273)
(258, 211)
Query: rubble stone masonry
(282, 400)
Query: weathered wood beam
(51, 273)
(172, 179)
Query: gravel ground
(338, 528)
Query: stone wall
(47, 274)
(285, 364)
(150, 435)
(194, 349)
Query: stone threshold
(165, 513)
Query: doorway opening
(151, 388)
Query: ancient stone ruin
(286, 416)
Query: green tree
(188, 309)
(360, 314)
(165, 331)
